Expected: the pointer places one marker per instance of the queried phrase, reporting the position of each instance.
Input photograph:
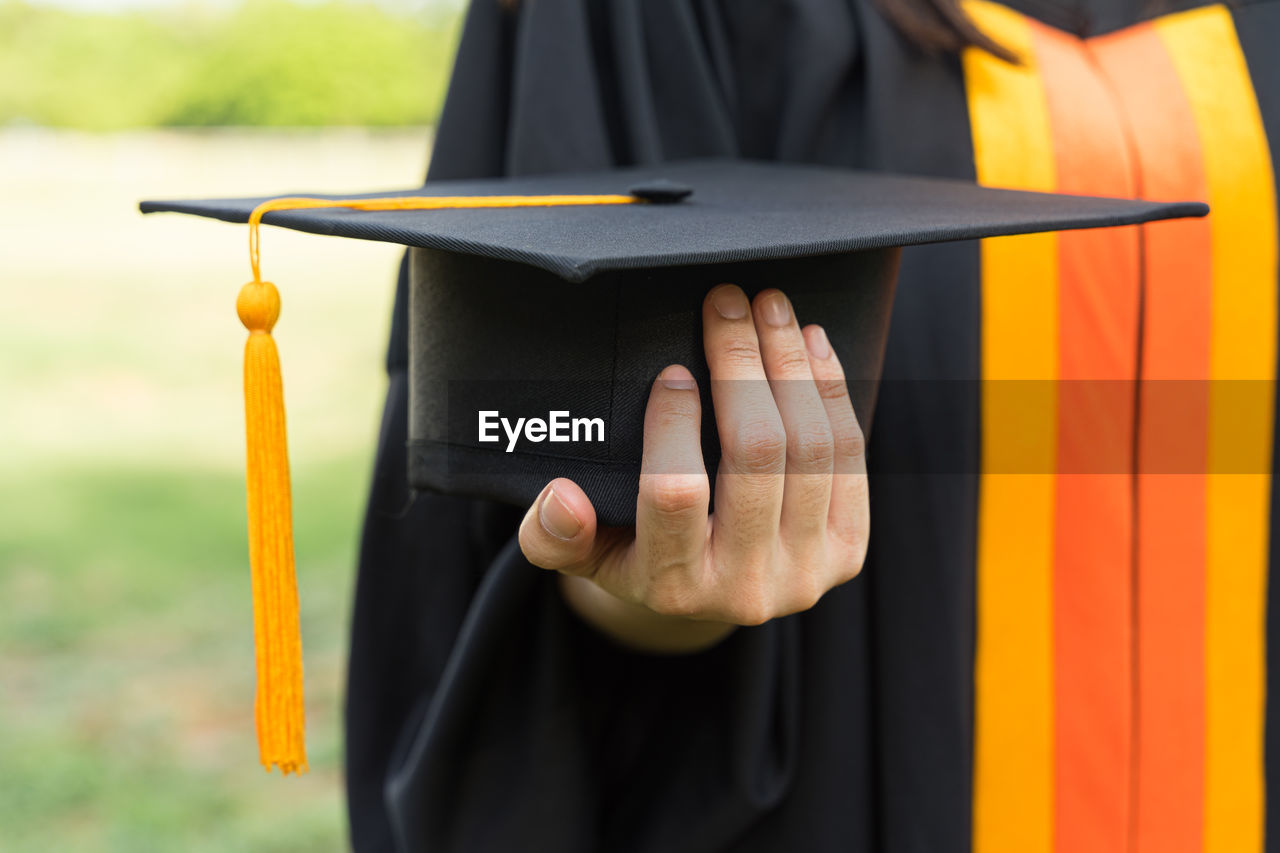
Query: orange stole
(1172, 450)
(1098, 297)
(1121, 594)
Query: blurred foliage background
(263, 62)
(126, 657)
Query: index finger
(749, 484)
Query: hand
(681, 578)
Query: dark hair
(939, 26)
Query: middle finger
(810, 444)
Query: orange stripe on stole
(1172, 447)
(1098, 300)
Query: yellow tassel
(279, 709)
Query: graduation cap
(558, 299)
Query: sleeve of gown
(481, 714)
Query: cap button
(661, 191)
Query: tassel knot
(258, 306)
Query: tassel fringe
(279, 707)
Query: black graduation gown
(481, 715)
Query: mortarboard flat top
(738, 211)
(830, 236)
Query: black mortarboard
(529, 309)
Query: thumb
(559, 530)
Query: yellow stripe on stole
(1013, 729)
(1237, 162)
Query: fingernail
(819, 346)
(776, 310)
(557, 519)
(730, 302)
(678, 378)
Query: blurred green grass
(258, 62)
(126, 648)
(128, 664)
(126, 656)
